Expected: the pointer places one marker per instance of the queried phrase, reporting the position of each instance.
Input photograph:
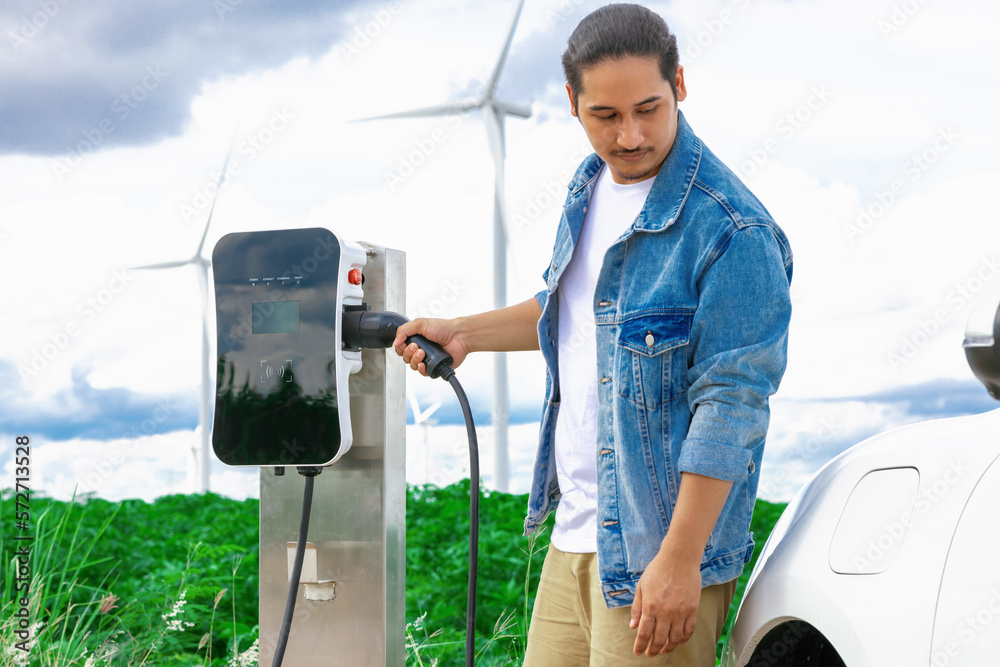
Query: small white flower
(246, 659)
(178, 606)
(175, 624)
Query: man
(663, 326)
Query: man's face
(629, 114)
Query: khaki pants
(571, 626)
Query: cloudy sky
(866, 127)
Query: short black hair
(614, 32)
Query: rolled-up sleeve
(542, 297)
(737, 352)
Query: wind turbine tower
(494, 112)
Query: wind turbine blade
(222, 177)
(452, 109)
(164, 265)
(491, 85)
(411, 398)
(425, 415)
(509, 109)
(418, 416)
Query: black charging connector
(363, 328)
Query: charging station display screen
(275, 317)
(278, 347)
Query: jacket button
(649, 339)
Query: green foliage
(175, 582)
(107, 576)
(437, 566)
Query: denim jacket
(692, 310)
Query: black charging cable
(363, 328)
(310, 474)
(470, 427)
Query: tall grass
(92, 602)
(64, 609)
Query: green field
(174, 583)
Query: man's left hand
(666, 605)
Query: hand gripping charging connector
(363, 328)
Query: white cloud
(856, 300)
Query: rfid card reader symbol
(269, 371)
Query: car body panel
(967, 620)
(888, 616)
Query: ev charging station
(292, 397)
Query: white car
(890, 555)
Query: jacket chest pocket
(652, 358)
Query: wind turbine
(494, 112)
(201, 453)
(424, 421)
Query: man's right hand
(443, 332)
(503, 330)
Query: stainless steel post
(358, 523)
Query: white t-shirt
(612, 210)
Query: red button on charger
(354, 276)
